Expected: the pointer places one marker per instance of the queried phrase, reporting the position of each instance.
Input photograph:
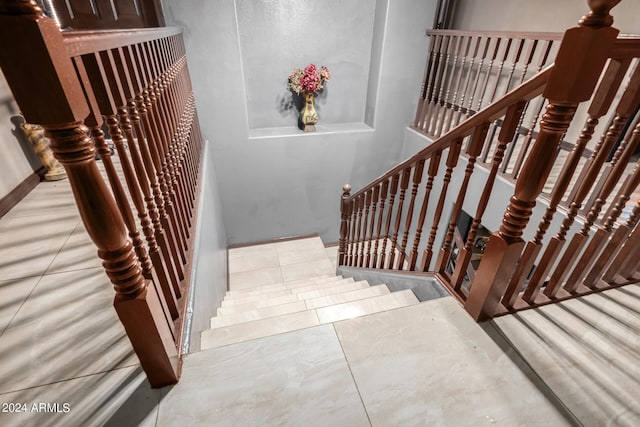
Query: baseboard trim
(21, 191)
(265, 242)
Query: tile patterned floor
(429, 364)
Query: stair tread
(343, 297)
(349, 310)
(257, 329)
(257, 314)
(240, 332)
(294, 288)
(281, 285)
(283, 299)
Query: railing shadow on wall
(383, 224)
(136, 85)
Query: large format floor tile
(295, 379)
(366, 306)
(66, 328)
(307, 269)
(587, 350)
(255, 278)
(13, 294)
(432, 365)
(77, 253)
(30, 243)
(119, 398)
(300, 250)
(54, 199)
(253, 258)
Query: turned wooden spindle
(473, 150)
(404, 185)
(365, 226)
(626, 261)
(384, 190)
(392, 196)
(462, 111)
(424, 89)
(452, 161)
(374, 204)
(445, 102)
(432, 172)
(417, 180)
(452, 115)
(476, 81)
(578, 66)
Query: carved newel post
(345, 212)
(578, 65)
(35, 134)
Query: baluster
(455, 108)
(138, 112)
(383, 197)
(476, 84)
(507, 49)
(602, 234)
(451, 163)
(599, 106)
(473, 151)
(624, 109)
(404, 184)
(516, 59)
(462, 112)
(417, 179)
(446, 104)
(344, 223)
(626, 260)
(613, 245)
(156, 116)
(365, 226)
(578, 66)
(436, 89)
(392, 197)
(357, 252)
(432, 172)
(374, 203)
(426, 83)
(352, 231)
(166, 210)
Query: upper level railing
(134, 85)
(441, 193)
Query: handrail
(527, 90)
(81, 42)
(536, 35)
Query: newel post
(345, 212)
(578, 65)
(45, 86)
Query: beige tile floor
(429, 364)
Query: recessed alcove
(277, 36)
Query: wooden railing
(497, 273)
(135, 86)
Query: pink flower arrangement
(308, 80)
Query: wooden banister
(137, 83)
(546, 160)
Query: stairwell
(313, 296)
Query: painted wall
(276, 37)
(539, 15)
(209, 270)
(289, 183)
(17, 161)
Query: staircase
(313, 298)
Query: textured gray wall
(17, 161)
(539, 15)
(278, 36)
(209, 274)
(291, 185)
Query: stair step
(240, 332)
(292, 307)
(281, 286)
(343, 297)
(250, 298)
(349, 310)
(257, 314)
(257, 329)
(310, 287)
(345, 287)
(237, 308)
(319, 290)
